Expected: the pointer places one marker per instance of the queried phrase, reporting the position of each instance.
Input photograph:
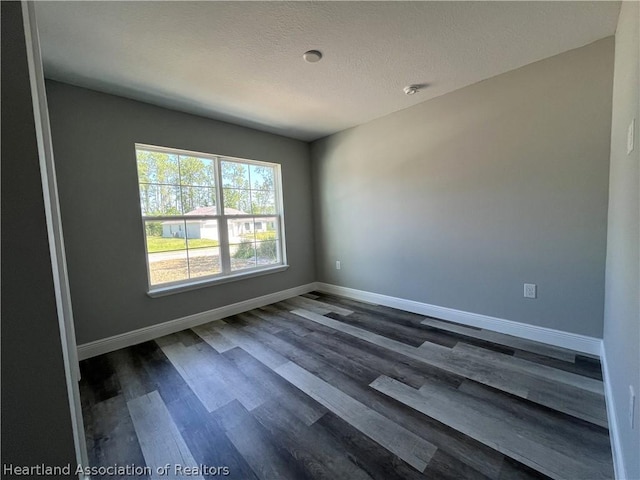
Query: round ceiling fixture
(312, 56)
(411, 89)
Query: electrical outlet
(630, 134)
(530, 290)
(338, 266)
(632, 406)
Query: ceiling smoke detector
(312, 56)
(411, 89)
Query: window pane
(204, 253)
(166, 249)
(267, 252)
(242, 248)
(157, 167)
(156, 200)
(243, 255)
(236, 202)
(168, 267)
(165, 236)
(262, 177)
(263, 201)
(204, 261)
(197, 171)
(199, 201)
(266, 228)
(235, 175)
(202, 233)
(239, 229)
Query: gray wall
(36, 421)
(93, 140)
(460, 200)
(622, 311)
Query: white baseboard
(612, 418)
(558, 338)
(92, 349)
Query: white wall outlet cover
(338, 266)
(630, 136)
(530, 290)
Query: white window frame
(226, 275)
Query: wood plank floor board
(463, 363)
(505, 432)
(591, 406)
(357, 352)
(161, 372)
(287, 313)
(313, 448)
(486, 344)
(361, 391)
(444, 467)
(369, 336)
(513, 470)
(433, 354)
(388, 312)
(281, 318)
(188, 338)
(412, 449)
(208, 333)
(205, 438)
(587, 368)
(326, 345)
(344, 363)
(202, 377)
(98, 380)
(302, 302)
(160, 440)
(307, 410)
(243, 389)
(397, 317)
(266, 458)
(462, 447)
(402, 442)
(408, 335)
(532, 368)
(432, 334)
(294, 303)
(252, 346)
(310, 295)
(132, 377)
(282, 312)
(110, 435)
(344, 355)
(255, 321)
(503, 339)
(408, 366)
(378, 462)
(502, 375)
(211, 447)
(570, 433)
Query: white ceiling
(242, 61)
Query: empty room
(323, 240)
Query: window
(208, 217)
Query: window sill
(185, 287)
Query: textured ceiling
(242, 61)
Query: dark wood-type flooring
(320, 386)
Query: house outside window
(208, 217)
